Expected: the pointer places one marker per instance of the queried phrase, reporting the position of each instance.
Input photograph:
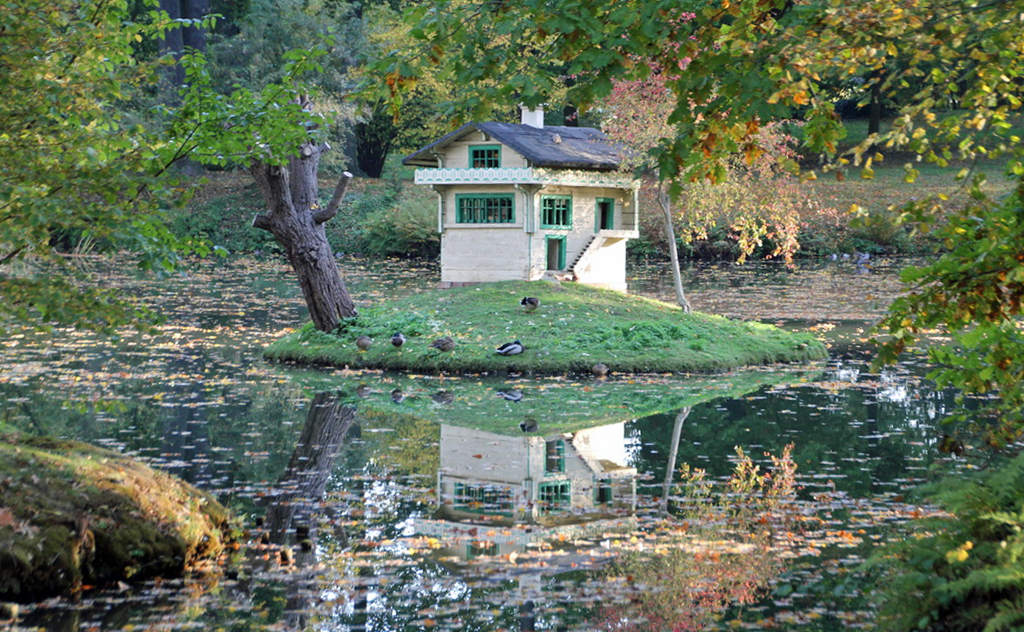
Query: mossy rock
(575, 327)
(73, 515)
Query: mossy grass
(575, 327)
(73, 515)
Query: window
(605, 214)
(485, 157)
(555, 453)
(483, 499)
(484, 209)
(556, 211)
(603, 492)
(555, 496)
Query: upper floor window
(556, 211)
(485, 156)
(496, 208)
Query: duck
(510, 348)
(444, 344)
(443, 397)
(512, 396)
(397, 396)
(599, 370)
(364, 342)
(528, 425)
(398, 339)
(530, 303)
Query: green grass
(575, 327)
(888, 187)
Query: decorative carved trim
(525, 175)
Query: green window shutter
(485, 156)
(555, 452)
(485, 209)
(556, 211)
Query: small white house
(525, 201)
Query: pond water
(388, 502)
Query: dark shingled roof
(579, 147)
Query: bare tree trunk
(673, 252)
(297, 223)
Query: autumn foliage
(722, 554)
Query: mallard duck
(599, 370)
(444, 344)
(528, 425)
(510, 348)
(397, 396)
(530, 303)
(398, 339)
(364, 342)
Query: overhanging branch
(322, 215)
(261, 221)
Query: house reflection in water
(535, 479)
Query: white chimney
(532, 117)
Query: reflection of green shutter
(555, 496)
(555, 452)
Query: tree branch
(325, 214)
(261, 221)
(11, 255)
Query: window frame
(554, 496)
(460, 212)
(556, 455)
(473, 149)
(567, 220)
(490, 500)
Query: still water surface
(489, 502)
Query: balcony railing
(524, 175)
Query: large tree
(74, 173)
(277, 132)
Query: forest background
(762, 211)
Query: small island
(573, 328)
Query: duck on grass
(579, 327)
